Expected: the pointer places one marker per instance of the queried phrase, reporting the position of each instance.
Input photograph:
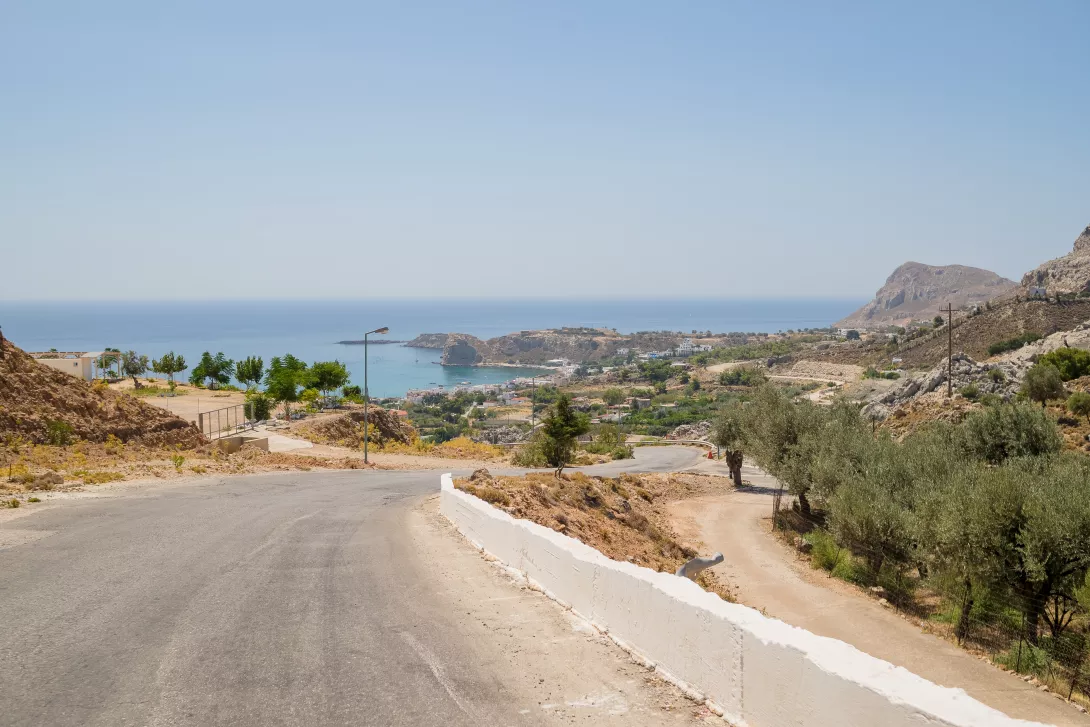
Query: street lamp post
(366, 395)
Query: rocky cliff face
(917, 292)
(1067, 274)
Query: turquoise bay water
(310, 329)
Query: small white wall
(759, 672)
(78, 367)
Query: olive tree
(249, 371)
(997, 433)
(729, 434)
(133, 364)
(778, 430)
(1079, 404)
(1043, 383)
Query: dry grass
(622, 518)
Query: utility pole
(949, 350)
(533, 402)
(366, 394)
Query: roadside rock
(500, 435)
(699, 430)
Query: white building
(80, 364)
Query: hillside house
(81, 364)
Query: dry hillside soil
(623, 518)
(33, 396)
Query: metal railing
(224, 422)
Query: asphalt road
(287, 599)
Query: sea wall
(756, 671)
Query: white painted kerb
(759, 671)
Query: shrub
(34, 499)
(970, 391)
(623, 452)
(13, 502)
(258, 407)
(489, 494)
(742, 376)
(997, 433)
(177, 460)
(1071, 363)
(997, 375)
(825, 553)
(1012, 344)
(58, 433)
(114, 446)
(1079, 404)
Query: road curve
(286, 599)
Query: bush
(258, 407)
(1079, 404)
(58, 433)
(997, 375)
(623, 452)
(997, 433)
(970, 391)
(1012, 344)
(1070, 362)
(742, 376)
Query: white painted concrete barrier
(756, 671)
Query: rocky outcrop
(35, 399)
(429, 340)
(345, 430)
(918, 292)
(538, 347)
(500, 435)
(698, 430)
(1067, 274)
(966, 371)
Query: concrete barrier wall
(756, 671)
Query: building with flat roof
(81, 364)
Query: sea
(311, 329)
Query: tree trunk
(1034, 608)
(804, 504)
(961, 631)
(136, 384)
(734, 462)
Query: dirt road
(765, 575)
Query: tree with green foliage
(249, 371)
(170, 364)
(1079, 404)
(997, 433)
(257, 406)
(938, 321)
(111, 358)
(780, 438)
(1070, 362)
(559, 431)
(742, 376)
(328, 376)
(729, 434)
(613, 396)
(215, 370)
(133, 364)
(852, 335)
(1042, 383)
(285, 377)
(655, 371)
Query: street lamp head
(384, 329)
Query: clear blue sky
(737, 149)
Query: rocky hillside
(429, 340)
(34, 398)
(537, 347)
(917, 292)
(1067, 274)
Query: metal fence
(224, 422)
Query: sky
(533, 149)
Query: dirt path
(765, 575)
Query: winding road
(293, 599)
